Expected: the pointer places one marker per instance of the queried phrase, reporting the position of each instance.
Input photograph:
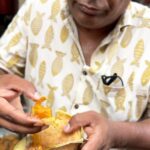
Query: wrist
(118, 134)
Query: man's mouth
(90, 10)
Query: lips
(90, 10)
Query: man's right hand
(12, 116)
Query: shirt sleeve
(13, 43)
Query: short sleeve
(13, 43)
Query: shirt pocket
(123, 103)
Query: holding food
(52, 138)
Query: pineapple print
(55, 9)
(43, 1)
(118, 66)
(120, 100)
(13, 60)
(104, 105)
(146, 74)
(67, 85)
(64, 34)
(88, 94)
(49, 37)
(130, 81)
(33, 55)
(27, 15)
(112, 51)
(75, 54)
(14, 41)
(138, 52)
(127, 37)
(42, 72)
(37, 23)
(57, 64)
(140, 105)
(51, 95)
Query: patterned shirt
(41, 45)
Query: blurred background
(8, 9)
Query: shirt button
(76, 106)
(84, 72)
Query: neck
(91, 38)
(100, 33)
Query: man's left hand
(97, 128)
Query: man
(88, 57)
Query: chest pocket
(124, 103)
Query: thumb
(76, 122)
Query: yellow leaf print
(57, 64)
(130, 81)
(94, 68)
(27, 15)
(64, 34)
(139, 13)
(120, 99)
(107, 89)
(67, 85)
(63, 15)
(42, 72)
(127, 37)
(37, 23)
(55, 9)
(33, 55)
(75, 54)
(118, 66)
(43, 1)
(140, 105)
(146, 23)
(138, 52)
(49, 37)
(63, 108)
(13, 61)
(51, 95)
(112, 51)
(14, 41)
(146, 74)
(88, 94)
(103, 108)
(130, 110)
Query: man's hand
(97, 128)
(12, 116)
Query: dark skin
(94, 20)
(12, 116)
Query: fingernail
(45, 127)
(36, 96)
(67, 128)
(34, 119)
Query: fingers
(18, 128)
(17, 84)
(92, 144)
(77, 121)
(17, 116)
(8, 94)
